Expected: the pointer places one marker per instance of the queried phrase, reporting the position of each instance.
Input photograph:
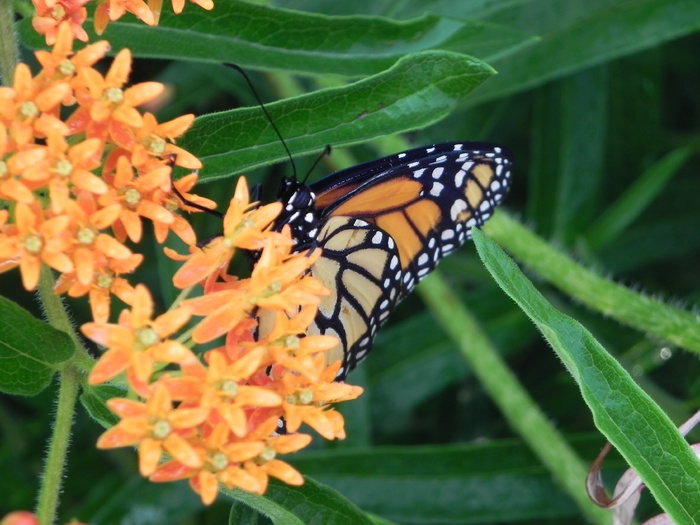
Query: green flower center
(114, 95)
(302, 397)
(155, 145)
(63, 168)
(132, 196)
(66, 67)
(86, 236)
(161, 429)
(230, 388)
(104, 281)
(268, 454)
(28, 110)
(147, 337)
(219, 461)
(33, 243)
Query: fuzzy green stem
(69, 381)
(58, 446)
(9, 52)
(644, 313)
(57, 316)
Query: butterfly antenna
(325, 153)
(267, 114)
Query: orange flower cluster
(60, 211)
(218, 420)
(50, 14)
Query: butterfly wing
(386, 224)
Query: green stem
(644, 313)
(519, 409)
(69, 381)
(9, 52)
(58, 446)
(57, 316)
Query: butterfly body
(384, 225)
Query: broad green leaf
(310, 503)
(242, 514)
(30, 350)
(453, 483)
(94, 399)
(580, 34)
(419, 90)
(261, 37)
(630, 420)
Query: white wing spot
(447, 235)
(458, 207)
(436, 190)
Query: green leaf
(94, 400)
(260, 37)
(647, 314)
(420, 89)
(636, 198)
(30, 350)
(310, 503)
(453, 483)
(568, 146)
(585, 33)
(631, 420)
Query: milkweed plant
(84, 169)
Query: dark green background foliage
(599, 102)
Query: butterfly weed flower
(156, 426)
(137, 342)
(51, 14)
(69, 182)
(266, 370)
(78, 188)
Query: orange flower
(307, 400)
(61, 62)
(107, 110)
(220, 461)
(137, 198)
(137, 342)
(63, 168)
(242, 229)
(93, 250)
(105, 283)
(152, 141)
(178, 5)
(266, 464)
(30, 109)
(111, 10)
(32, 240)
(50, 14)
(280, 282)
(156, 427)
(180, 226)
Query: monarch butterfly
(384, 225)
